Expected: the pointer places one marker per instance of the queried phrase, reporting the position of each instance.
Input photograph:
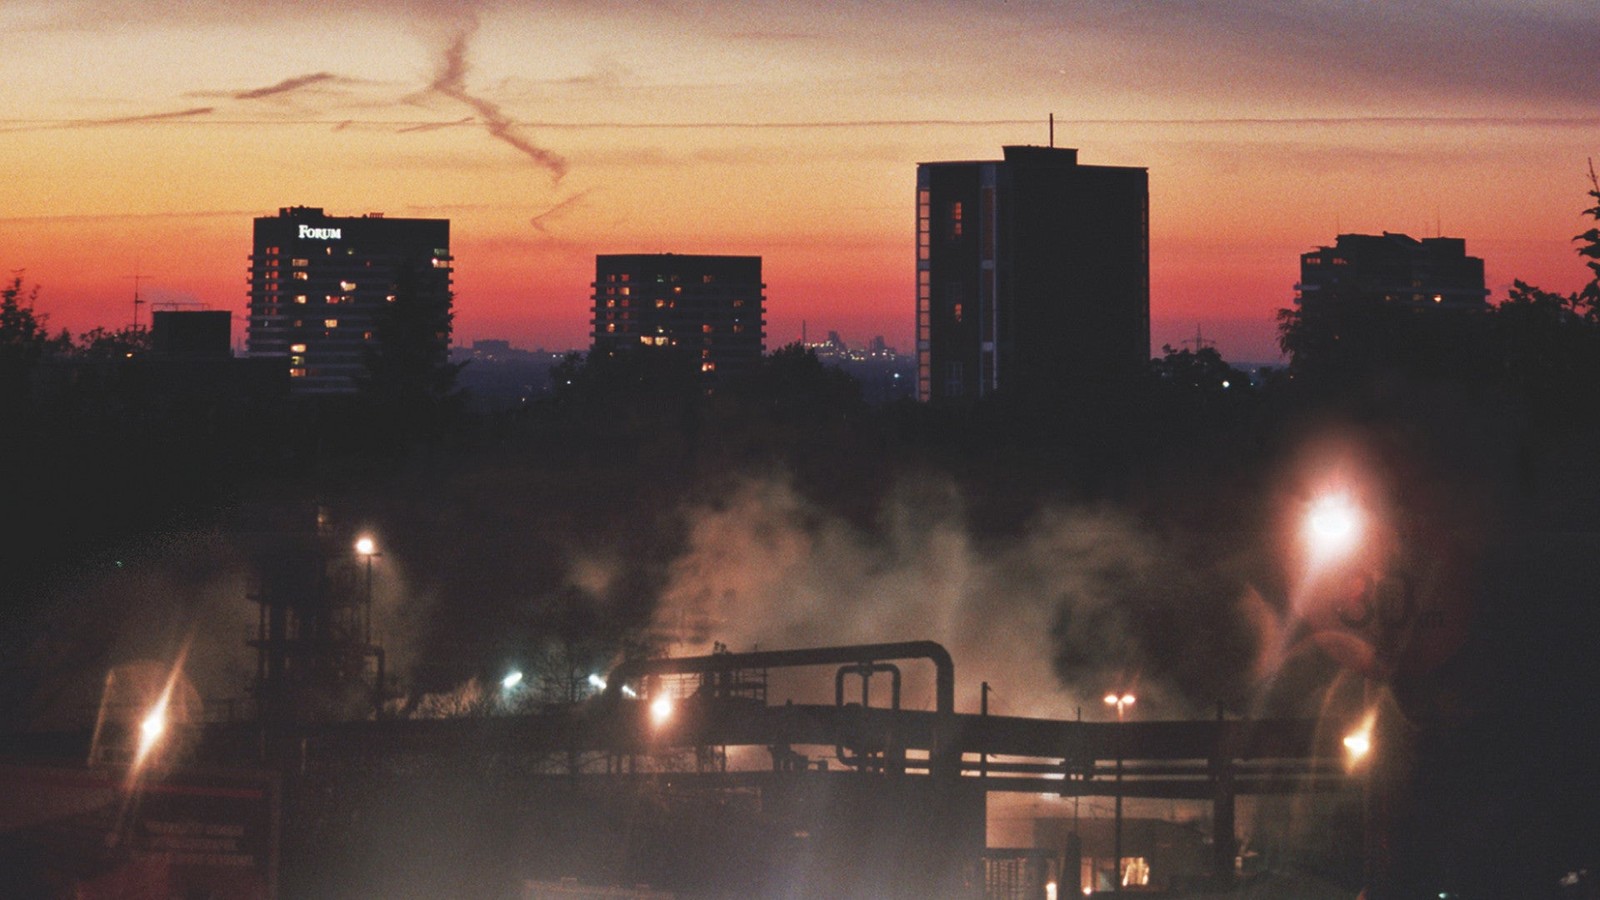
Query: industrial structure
(708, 309)
(1033, 275)
(325, 289)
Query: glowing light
(511, 680)
(660, 710)
(629, 692)
(1359, 744)
(1120, 701)
(366, 546)
(1333, 525)
(596, 682)
(153, 726)
(1050, 890)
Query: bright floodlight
(1119, 700)
(366, 546)
(511, 680)
(1333, 525)
(1358, 744)
(151, 729)
(596, 682)
(660, 710)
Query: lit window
(611, 327)
(611, 304)
(366, 335)
(624, 276)
(738, 329)
(330, 323)
(347, 286)
(1438, 298)
(661, 304)
(299, 298)
(299, 262)
(956, 311)
(677, 289)
(707, 279)
(297, 360)
(706, 328)
(300, 276)
(297, 373)
(955, 219)
(738, 303)
(297, 348)
(625, 290)
(441, 264)
(389, 299)
(708, 367)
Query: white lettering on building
(321, 234)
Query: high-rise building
(1033, 275)
(321, 286)
(711, 308)
(1431, 273)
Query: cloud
(537, 221)
(147, 117)
(288, 85)
(450, 81)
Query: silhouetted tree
(111, 344)
(23, 341)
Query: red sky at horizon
(140, 141)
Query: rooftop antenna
(1052, 131)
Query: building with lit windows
(1033, 276)
(320, 286)
(710, 308)
(1431, 273)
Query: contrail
(285, 86)
(149, 117)
(451, 82)
(434, 126)
(538, 221)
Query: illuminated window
(955, 219)
(441, 264)
(677, 289)
(611, 327)
(389, 299)
(366, 335)
(706, 328)
(661, 304)
(708, 367)
(738, 329)
(625, 290)
(272, 251)
(347, 286)
(330, 323)
(299, 262)
(299, 298)
(738, 303)
(624, 276)
(1438, 298)
(300, 276)
(707, 279)
(611, 304)
(297, 360)
(297, 348)
(297, 373)
(956, 311)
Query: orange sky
(139, 140)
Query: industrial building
(1033, 275)
(710, 308)
(320, 286)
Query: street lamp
(368, 548)
(1121, 701)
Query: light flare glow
(660, 710)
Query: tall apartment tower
(1033, 275)
(709, 307)
(320, 285)
(1431, 273)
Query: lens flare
(1333, 527)
(660, 710)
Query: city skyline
(788, 131)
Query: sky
(139, 139)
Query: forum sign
(319, 234)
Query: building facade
(321, 287)
(1033, 275)
(710, 308)
(1430, 273)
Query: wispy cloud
(435, 126)
(451, 82)
(556, 211)
(147, 117)
(288, 85)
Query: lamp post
(368, 548)
(1121, 701)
